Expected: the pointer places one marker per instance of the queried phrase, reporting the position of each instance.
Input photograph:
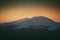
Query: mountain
(34, 22)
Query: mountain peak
(42, 18)
(39, 20)
(39, 16)
(35, 17)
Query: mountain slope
(40, 22)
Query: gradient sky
(13, 12)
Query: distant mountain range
(34, 22)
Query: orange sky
(12, 13)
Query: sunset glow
(10, 13)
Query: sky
(16, 10)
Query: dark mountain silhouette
(36, 27)
(40, 22)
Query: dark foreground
(30, 34)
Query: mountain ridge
(34, 21)
(30, 18)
